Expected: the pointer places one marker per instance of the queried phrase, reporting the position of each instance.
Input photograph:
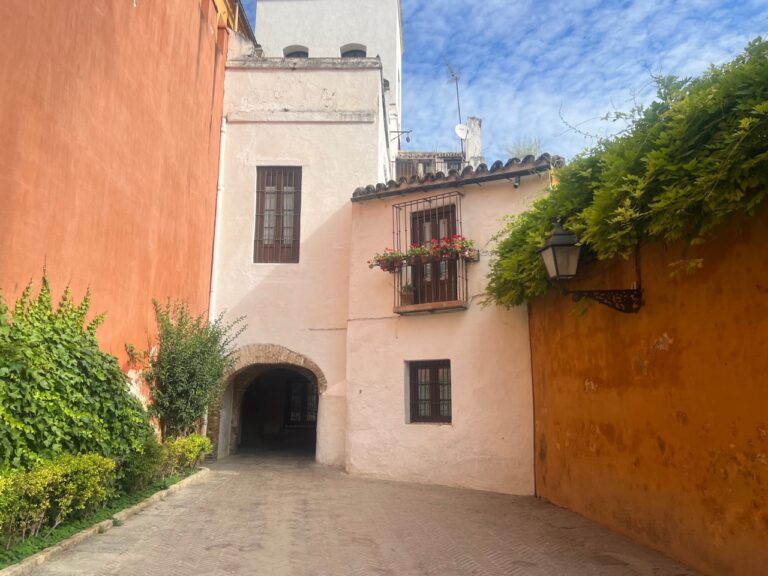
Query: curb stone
(31, 562)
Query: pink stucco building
(385, 374)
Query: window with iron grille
(430, 391)
(278, 214)
(430, 281)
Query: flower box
(448, 248)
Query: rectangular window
(431, 278)
(301, 403)
(430, 390)
(434, 281)
(278, 212)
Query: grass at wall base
(68, 529)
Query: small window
(296, 52)
(353, 51)
(429, 391)
(300, 403)
(453, 164)
(278, 214)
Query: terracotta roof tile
(469, 175)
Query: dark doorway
(279, 412)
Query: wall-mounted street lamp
(400, 133)
(561, 258)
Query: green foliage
(183, 454)
(52, 492)
(48, 538)
(187, 371)
(693, 158)
(158, 461)
(74, 487)
(59, 393)
(140, 468)
(528, 145)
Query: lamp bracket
(627, 301)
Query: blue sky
(524, 64)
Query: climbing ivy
(687, 162)
(59, 393)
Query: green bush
(183, 454)
(59, 393)
(686, 164)
(193, 448)
(141, 468)
(186, 372)
(51, 492)
(159, 461)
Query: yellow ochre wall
(656, 424)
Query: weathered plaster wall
(489, 443)
(656, 424)
(109, 151)
(324, 118)
(324, 27)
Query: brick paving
(281, 515)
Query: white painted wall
(326, 118)
(489, 444)
(225, 422)
(324, 26)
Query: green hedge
(687, 163)
(159, 461)
(53, 491)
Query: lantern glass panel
(567, 260)
(548, 256)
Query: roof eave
(457, 181)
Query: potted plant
(389, 260)
(446, 248)
(407, 294)
(465, 247)
(453, 248)
(418, 254)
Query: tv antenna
(455, 77)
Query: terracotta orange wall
(109, 141)
(656, 424)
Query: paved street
(276, 515)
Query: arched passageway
(279, 412)
(271, 402)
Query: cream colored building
(335, 358)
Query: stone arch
(275, 354)
(223, 422)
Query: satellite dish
(461, 131)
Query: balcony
(422, 164)
(429, 261)
(430, 283)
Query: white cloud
(524, 62)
